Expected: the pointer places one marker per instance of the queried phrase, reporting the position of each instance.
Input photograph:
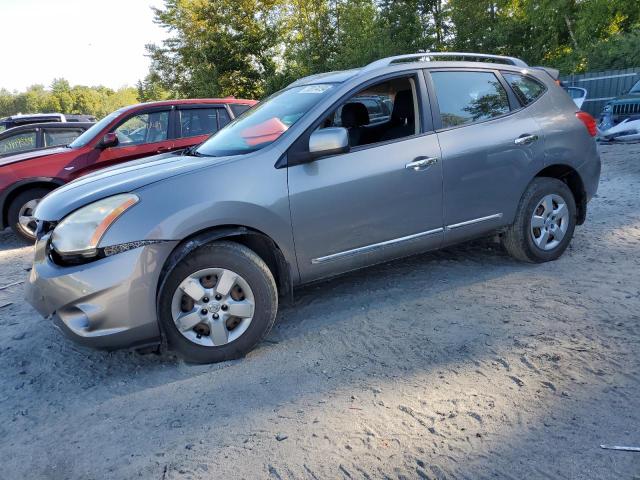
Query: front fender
(247, 193)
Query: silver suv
(197, 247)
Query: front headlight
(608, 108)
(80, 232)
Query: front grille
(626, 108)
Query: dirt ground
(458, 364)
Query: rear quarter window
(526, 88)
(238, 108)
(18, 143)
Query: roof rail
(427, 56)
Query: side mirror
(109, 140)
(329, 141)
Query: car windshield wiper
(193, 152)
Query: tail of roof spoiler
(552, 72)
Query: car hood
(119, 179)
(20, 157)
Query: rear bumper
(589, 172)
(109, 303)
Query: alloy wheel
(26, 220)
(549, 222)
(213, 307)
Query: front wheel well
(572, 178)
(255, 240)
(49, 185)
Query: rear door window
(526, 89)
(18, 143)
(466, 97)
(198, 121)
(59, 136)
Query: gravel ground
(458, 364)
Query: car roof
(27, 116)
(343, 76)
(47, 125)
(425, 60)
(193, 101)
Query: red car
(126, 134)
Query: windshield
(264, 123)
(87, 136)
(635, 88)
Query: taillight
(589, 122)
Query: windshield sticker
(315, 89)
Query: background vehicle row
(129, 133)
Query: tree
(218, 48)
(150, 88)
(357, 36)
(61, 89)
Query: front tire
(21, 210)
(544, 223)
(218, 303)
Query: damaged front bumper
(108, 303)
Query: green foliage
(151, 89)
(573, 35)
(249, 48)
(217, 48)
(63, 98)
(252, 47)
(357, 38)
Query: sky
(88, 42)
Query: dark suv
(33, 136)
(126, 134)
(626, 106)
(25, 119)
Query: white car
(577, 94)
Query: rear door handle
(525, 139)
(421, 163)
(163, 149)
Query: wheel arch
(263, 245)
(18, 187)
(571, 177)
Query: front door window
(382, 112)
(144, 128)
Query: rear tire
(202, 273)
(544, 223)
(21, 208)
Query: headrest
(403, 106)
(354, 114)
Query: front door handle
(421, 163)
(525, 139)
